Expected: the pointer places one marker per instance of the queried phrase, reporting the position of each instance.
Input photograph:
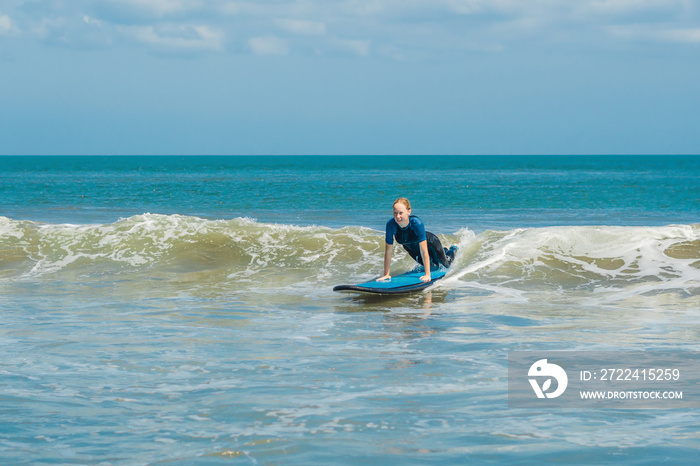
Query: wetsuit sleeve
(418, 228)
(390, 231)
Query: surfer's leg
(437, 253)
(450, 253)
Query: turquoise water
(180, 309)
(452, 192)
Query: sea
(180, 310)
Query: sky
(342, 77)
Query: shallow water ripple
(418, 380)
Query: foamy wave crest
(639, 260)
(166, 244)
(245, 254)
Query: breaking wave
(585, 258)
(244, 253)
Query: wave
(176, 244)
(245, 253)
(585, 258)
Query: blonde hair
(404, 201)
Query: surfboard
(404, 283)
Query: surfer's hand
(425, 278)
(384, 278)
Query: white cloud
(690, 36)
(469, 7)
(408, 28)
(92, 21)
(360, 48)
(246, 8)
(303, 27)
(47, 27)
(657, 34)
(269, 45)
(177, 37)
(626, 7)
(160, 7)
(6, 25)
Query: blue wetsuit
(411, 237)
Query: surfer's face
(401, 214)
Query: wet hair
(404, 201)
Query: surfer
(409, 231)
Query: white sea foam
(596, 259)
(619, 262)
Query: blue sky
(350, 77)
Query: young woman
(423, 246)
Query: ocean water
(180, 309)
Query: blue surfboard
(404, 283)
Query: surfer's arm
(426, 260)
(387, 261)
